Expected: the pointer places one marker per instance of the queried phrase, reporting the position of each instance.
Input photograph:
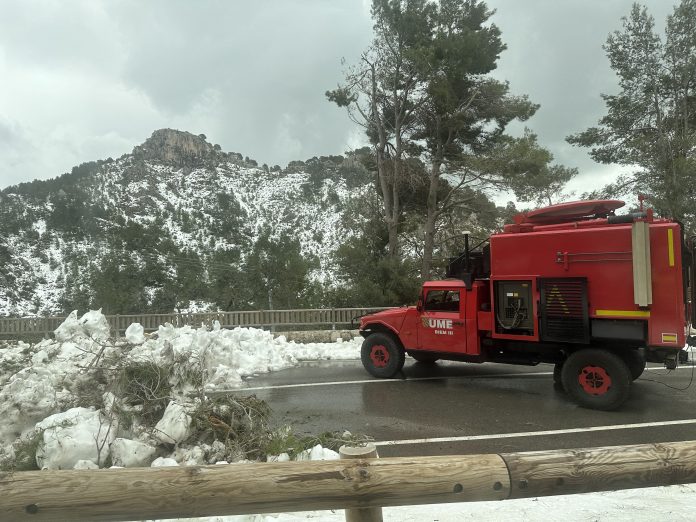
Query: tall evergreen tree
(423, 92)
(383, 92)
(650, 123)
(465, 111)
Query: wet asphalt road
(462, 400)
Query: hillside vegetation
(180, 224)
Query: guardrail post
(369, 451)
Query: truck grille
(564, 314)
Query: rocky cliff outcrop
(174, 147)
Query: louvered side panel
(564, 310)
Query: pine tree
(651, 122)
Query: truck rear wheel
(596, 379)
(382, 356)
(635, 362)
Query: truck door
(441, 326)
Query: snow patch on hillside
(187, 204)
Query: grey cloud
(270, 62)
(555, 56)
(252, 75)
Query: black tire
(557, 370)
(635, 362)
(382, 356)
(424, 358)
(596, 379)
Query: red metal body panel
(602, 253)
(393, 319)
(485, 321)
(478, 323)
(443, 331)
(667, 313)
(409, 328)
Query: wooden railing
(277, 319)
(355, 484)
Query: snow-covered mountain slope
(176, 204)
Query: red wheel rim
(379, 355)
(594, 380)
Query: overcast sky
(82, 80)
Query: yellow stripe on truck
(622, 313)
(670, 246)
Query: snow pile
(318, 453)
(135, 334)
(130, 453)
(228, 356)
(37, 380)
(78, 434)
(92, 325)
(174, 426)
(163, 462)
(85, 400)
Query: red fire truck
(595, 293)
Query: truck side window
(442, 301)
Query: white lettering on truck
(440, 326)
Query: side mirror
(419, 305)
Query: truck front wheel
(596, 379)
(557, 372)
(382, 356)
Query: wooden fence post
(369, 451)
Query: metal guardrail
(331, 317)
